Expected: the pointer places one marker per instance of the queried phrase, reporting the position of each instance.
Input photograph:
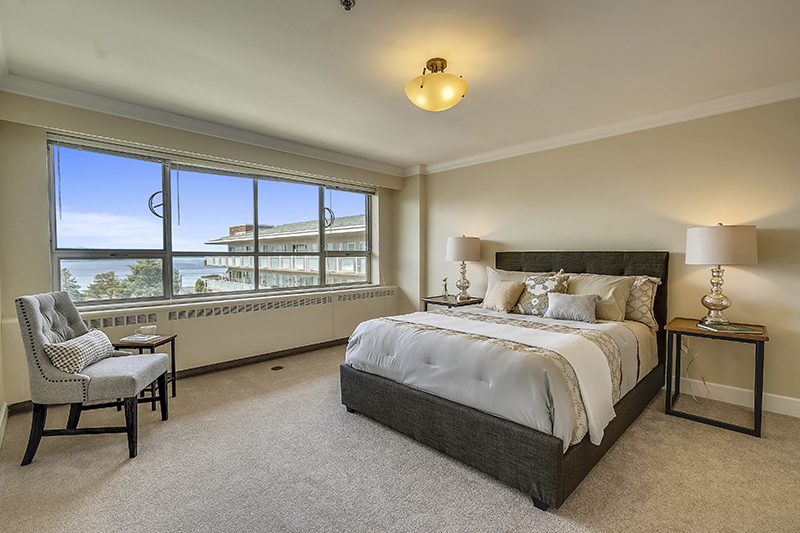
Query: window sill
(91, 307)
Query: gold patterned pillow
(639, 306)
(534, 299)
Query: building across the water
(295, 270)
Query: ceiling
(308, 77)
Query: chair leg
(132, 423)
(162, 388)
(37, 428)
(74, 415)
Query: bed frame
(521, 457)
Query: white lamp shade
(463, 249)
(721, 245)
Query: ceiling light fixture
(347, 4)
(436, 91)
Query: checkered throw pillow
(76, 354)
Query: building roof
(306, 227)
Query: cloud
(108, 230)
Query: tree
(145, 281)
(105, 286)
(71, 286)
(200, 286)
(176, 281)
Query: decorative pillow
(504, 295)
(76, 354)
(579, 307)
(613, 292)
(534, 299)
(494, 275)
(640, 301)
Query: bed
(528, 459)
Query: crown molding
(62, 95)
(415, 170)
(717, 106)
(92, 102)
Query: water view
(190, 269)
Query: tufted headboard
(654, 264)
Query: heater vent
(211, 311)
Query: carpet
(256, 449)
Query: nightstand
(449, 301)
(152, 345)
(678, 327)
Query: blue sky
(101, 202)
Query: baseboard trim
(27, 406)
(235, 363)
(3, 419)
(772, 402)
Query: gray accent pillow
(578, 307)
(75, 354)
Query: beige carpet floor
(253, 449)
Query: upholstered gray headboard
(654, 264)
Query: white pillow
(494, 275)
(613, 292)
(578, 307)
(76, 354)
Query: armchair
(50, 318)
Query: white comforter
(558, 377)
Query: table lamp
(720, 245)
(463, 249)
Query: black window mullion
(166, 273)
(322, 252)
(256, 273)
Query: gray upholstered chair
(52, 318)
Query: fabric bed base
(521, 457)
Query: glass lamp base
(715, 317)
(463, 284)
(716, 302)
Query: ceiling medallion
(436, 91)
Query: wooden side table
(678, 327)
(152, 345)
(449, 301)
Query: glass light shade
(436, 91)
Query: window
(144, 226)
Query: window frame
(166, 254)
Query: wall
(409, 238)
(641, 191)
(25, 251)
(3, 405)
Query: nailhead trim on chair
(21, 309)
